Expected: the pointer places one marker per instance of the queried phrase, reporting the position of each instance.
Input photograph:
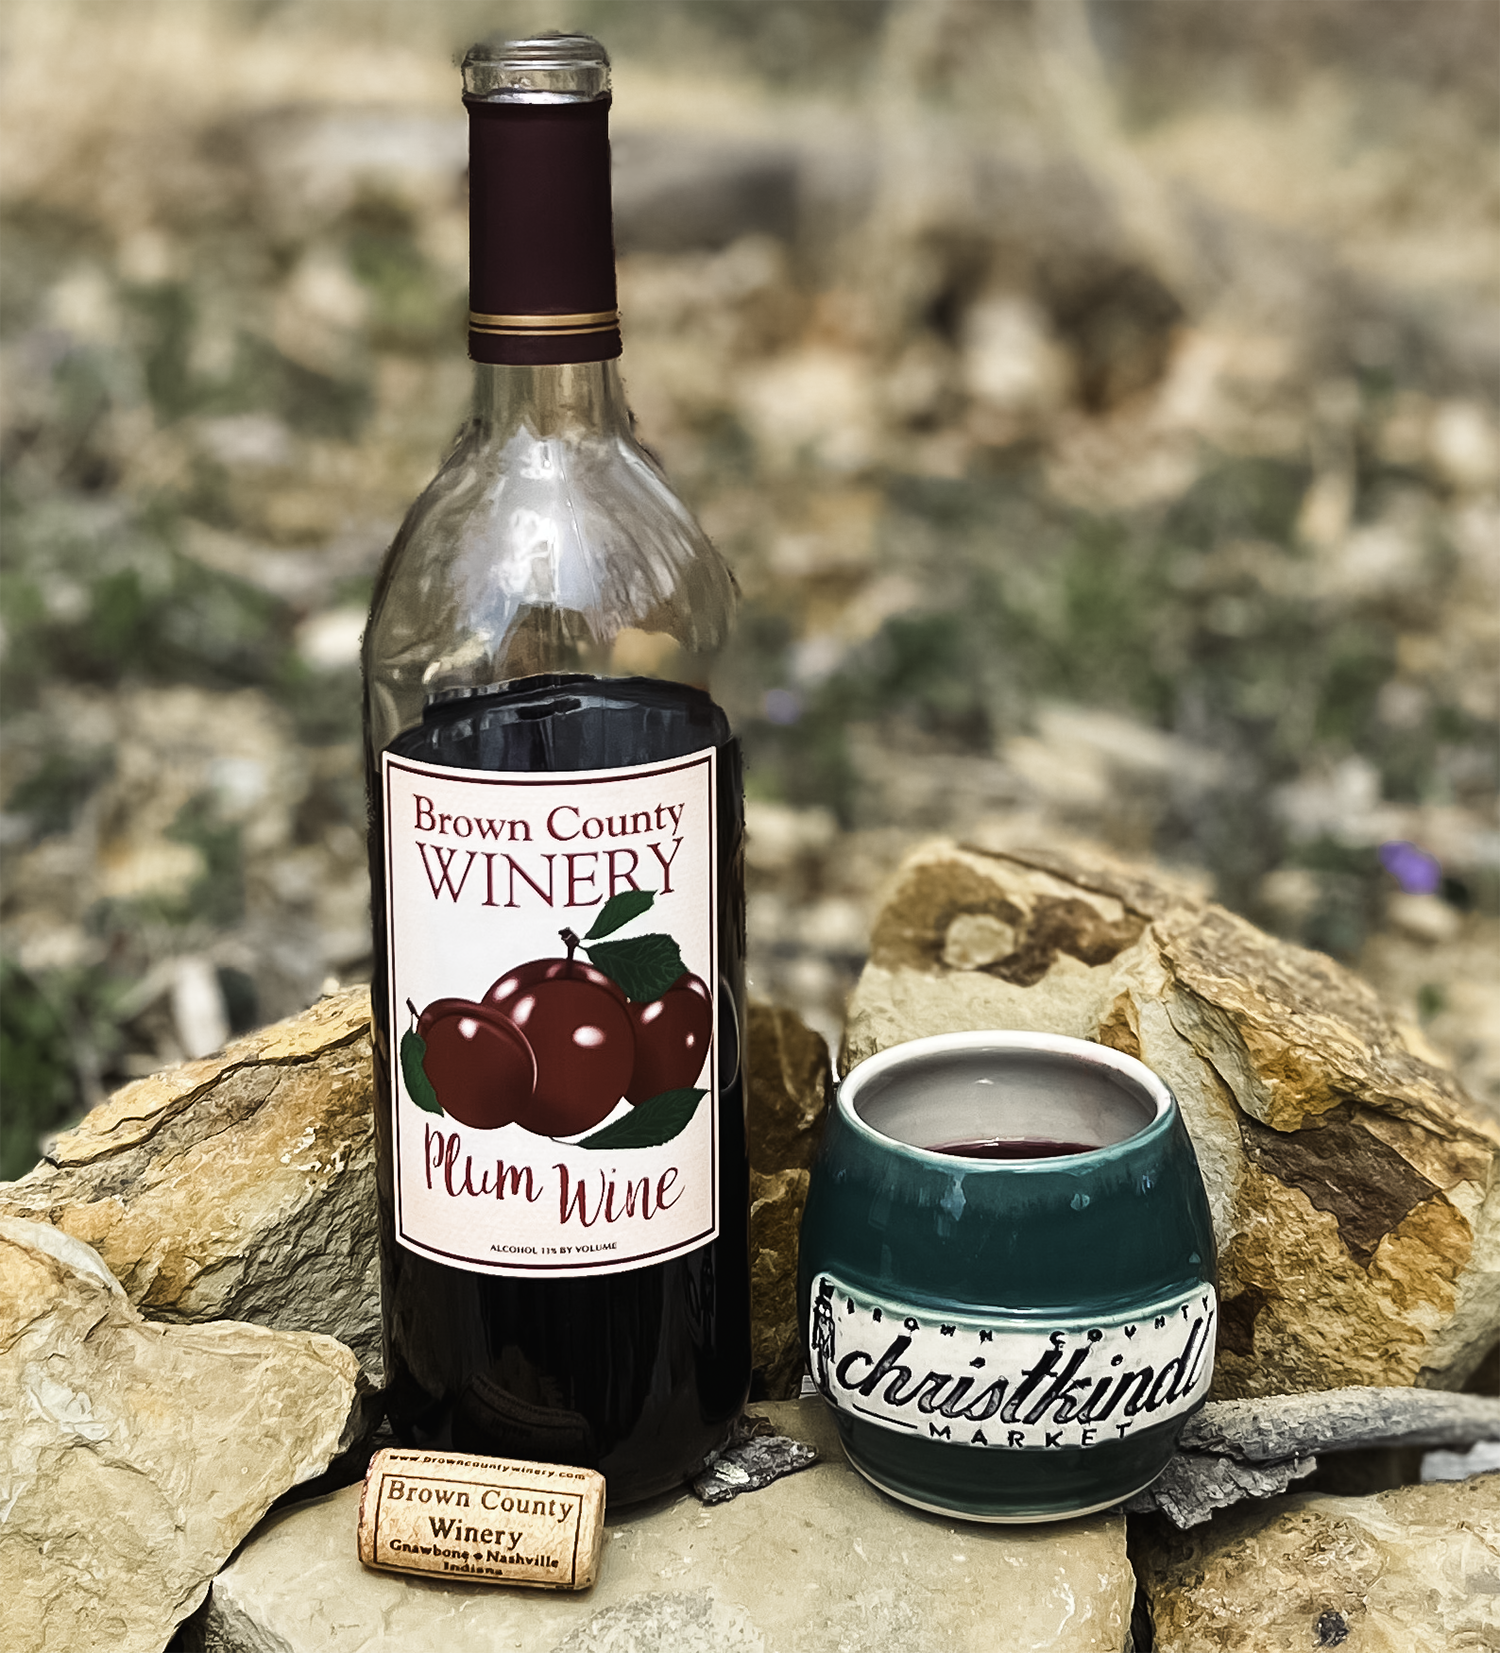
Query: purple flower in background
(1417, 872)
(782, 706)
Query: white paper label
(1005, 1383)
(552, 946)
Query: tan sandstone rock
(775, 1219)
(1416, 1570)
(1355, 1194)
(237, 1187)
(789, 1082)
(137, 1455)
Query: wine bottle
(556, 846)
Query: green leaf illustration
(418, 1085)
(643, 967)
(618, 911)
(651, 1124)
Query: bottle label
(1010, 1383)
(553, 953)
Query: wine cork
(490, 1520)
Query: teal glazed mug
(1006, 1278)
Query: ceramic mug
(1006, 1277)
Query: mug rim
(1087, 1051)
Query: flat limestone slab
(818, 1561)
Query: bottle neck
(541, 247)
(558, 400)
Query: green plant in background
(1030, 603)
(41, 1086)
(131, 608)
(1349, 883)
(1197, 619)
(413, 307)
(97, 592)
(50, 796)
(58, 1034)
(323, 702)
(163, 324)
(217, 896)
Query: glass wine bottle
(556, 831)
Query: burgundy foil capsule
(541, 242)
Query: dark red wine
(637, 1373)
(1012, 1148)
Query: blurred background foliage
(1097, 402)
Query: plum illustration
(479, 1063)
(671, 1039)
(578, 1024)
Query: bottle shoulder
(589, 525)
(531, 553)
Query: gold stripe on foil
(596, 321)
